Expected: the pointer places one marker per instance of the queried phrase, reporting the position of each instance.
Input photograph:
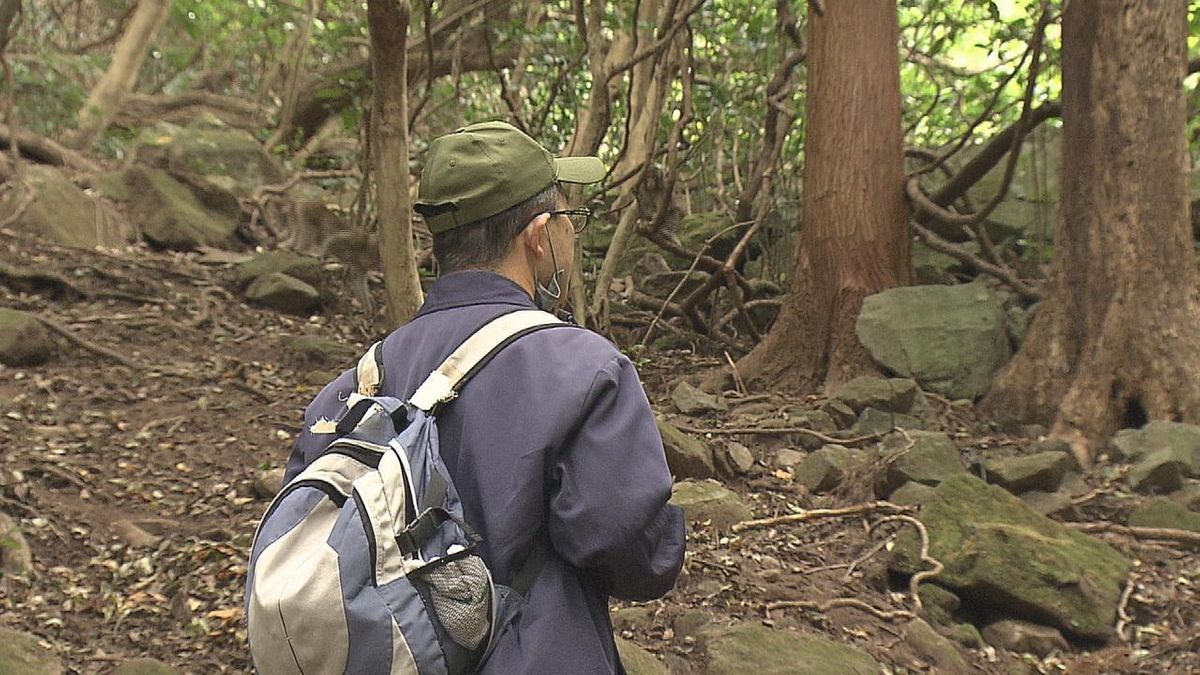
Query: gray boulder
(687, 456)
(709, 501)
(894, 394)
(950, 339)
(230, 158)
(21, 654)
(302, 267)
(62, 213)
(313, 351)
(15, 556)
(910, 494)
(739, 458)
(692, 401)
(1040, 471)
(872, 421)
(24, 341)
(284, 293)
(173, 217)
(1025, 637)
(824, 469)
(935, 649)
(932, 459)
(1010, 559)
(1164, 453)
(753, 648)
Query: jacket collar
(474, 287)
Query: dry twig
(1186, 537)
(773, 431)
(813, 514)
(823, 607)
(88, 345)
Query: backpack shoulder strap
(444, 383)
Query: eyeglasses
(579, 217)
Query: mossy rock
(20, 654)
(312, 351)
(231, 158)
(284, 293)
(302, 267)
(172, 215)
(824, 469)
(24, 341)
(62, 213)
(1164, 512)
(687, 456)
(932, 459)
(1039, 471)
(638, 661)
(709, 501)
(751, 648)
(894, 394)
(1008, 558)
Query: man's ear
(532, 235)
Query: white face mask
(548, 297)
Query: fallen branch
(47, 151)
(1159, 533)
(914, 583)
(933, 241)
(823, 607)
(814, 514)
(772, 431)
(1123, 618)
(87, 345)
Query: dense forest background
(883, 228)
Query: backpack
(363, 562)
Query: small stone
(301, 267)
(824, 469)
(283, 293)
(841, 414)
(966, 635)
(709, 501)
(787, 458)
(691, 622)
(144, 533)
(740, 457)
(24, 341)
(15, 556)
(1188, 496)
(687, 455)
(638, 661)
(690, 400)
(934, 648)
(1159, 472)
(267, 483)
(939, 604)
(1023, 636)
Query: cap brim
(581, 170)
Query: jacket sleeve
(608, 510)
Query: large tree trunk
(854, 239)
(1118, 339)
(104, 101)
(389, 147)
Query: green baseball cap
(483, 169)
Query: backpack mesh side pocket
(461, 593)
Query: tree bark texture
(1117, 340)
(104, 101)
(389, 146)
(854, 238)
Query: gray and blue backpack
(363, 563)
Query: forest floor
(135, 482)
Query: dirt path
(136, 484)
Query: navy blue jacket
(554, 436)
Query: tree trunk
(854, 239)
(389, 146)
(104, 101)
(1117, 341)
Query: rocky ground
(136, 461)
